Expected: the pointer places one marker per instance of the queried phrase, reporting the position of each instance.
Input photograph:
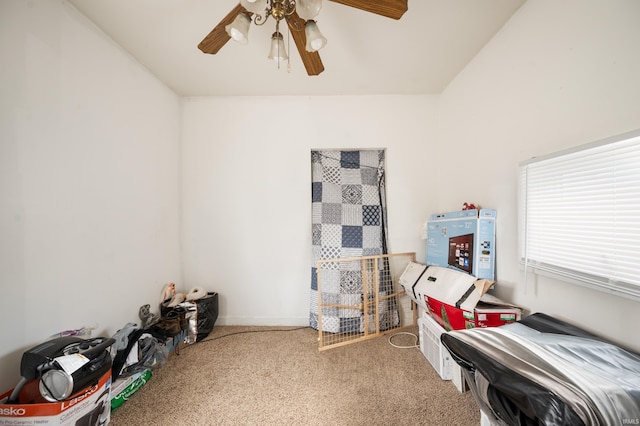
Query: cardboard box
(458, 303)
(88, 407)
(456, 300)
(493, 312)
(123, 388)
(464, 241)
(482, 315)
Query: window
(579, 215)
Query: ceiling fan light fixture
(278, 51)
(239, 28)
(315, 39)
(296, 13)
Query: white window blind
(579, 215)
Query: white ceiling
(365, 53)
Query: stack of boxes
(451, 288)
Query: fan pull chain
(289, 50)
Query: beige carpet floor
(253, 376)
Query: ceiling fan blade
(311, 60)
(390, 8)
(218, 37)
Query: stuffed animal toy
(170, 298)
(148, 318)
(196, 293)
(168, 293)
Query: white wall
(559, 74)
(89, 180)
(247, 191)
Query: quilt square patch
(351, 282)
(350, 325)
(331, 235)
(352, 215)
(331, 193)
(371, 158)
(316, 192)
(369, 176)
(352, 194)
(371, 215)
(332, 213)
(331, 175)
(352, 236)
(351, 177)
(372, 238)
(350, 159)
(370, 195)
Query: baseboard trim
(263, 321)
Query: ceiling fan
(291, 11)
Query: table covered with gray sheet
(542, 370)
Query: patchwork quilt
(348, 220)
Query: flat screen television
(461, 252)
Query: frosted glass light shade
(315, 39)
(278, 51)
(308, 9)
(239, 28)
(254, 6)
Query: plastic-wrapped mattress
(541, 370)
